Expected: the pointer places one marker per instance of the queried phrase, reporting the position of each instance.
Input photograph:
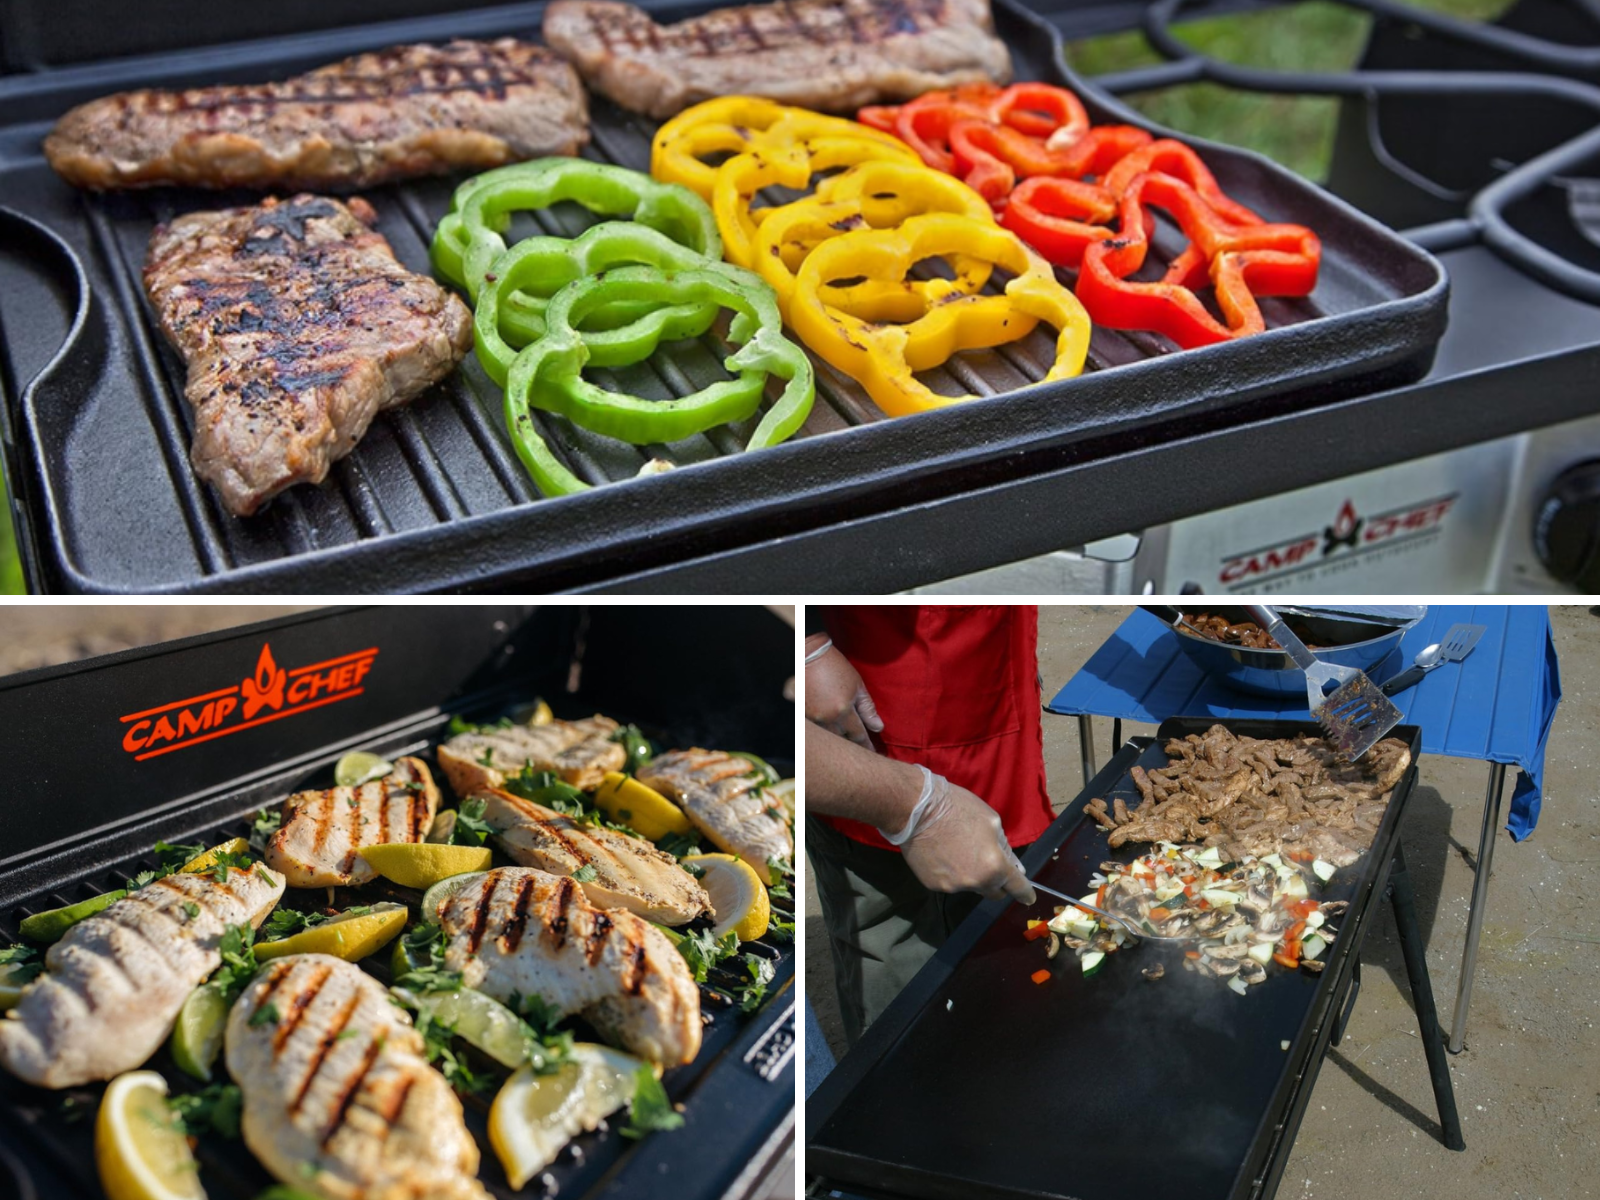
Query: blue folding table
(1497, 705)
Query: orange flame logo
(1344, 531)
(266, 686)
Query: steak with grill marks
(393, 114)
(829, 54)
(298, 325)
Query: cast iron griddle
(433, 496)
(979, 1083)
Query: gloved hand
(837, 700)
(954, 842)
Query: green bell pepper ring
(468, 239)
(548, 374)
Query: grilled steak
(726, 803)
(627, 872)
(393, 114)
(829, 54)
(338, 1098)
(114, 983)
(298, 326)
(581, 752)
(518, 930)
(321, 832)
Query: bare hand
(837, 700)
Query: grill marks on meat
(1253, 797)
(321, 832)
(828, 54)
(342, 1085)
(725, 802)
(580, 752)
(629, 872)
(518, 930)
(393, 114)
(115, 982)
(298, 326)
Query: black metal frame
(839, 1173)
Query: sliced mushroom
(1055, 946)
(1314, 965)
(1223, 966)
(1252, 972)
(1154, 972)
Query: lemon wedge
(534, 1116)
(737, 897)
(202, 861)
(197, 1036)
(138, 1146)
(349, 936)
(360, 767)
(423, 864)
(639, 807)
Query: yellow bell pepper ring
(885, 357)
(875, 195)
(726, 124)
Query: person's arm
(951, 840)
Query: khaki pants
(883, 924)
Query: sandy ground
(1528, 1082)
(43, 635)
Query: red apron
(957, 687)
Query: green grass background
(1313, 35)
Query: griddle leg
(1480, 894)
(1349, 1002)
(1086, 744)
(1404, 899)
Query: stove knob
(1566, 527)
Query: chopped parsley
(584, 873)
(782, 930)
(636, 745)
(213, 1109)
(549, 790)
(285, 922)
(436, 1036)
(651, 1111)
(25, 963)
(423, 948)
(239, 966)
(760, 971)
(702, 952)
(548, 1047)
(226, 861)
(191, 909)
(174, 856)
(781, 871)
(459, 725)
(145, 877)
(267, 1014)
(487, 757)
(266, 824)
(279, 1192)
(681, 845)
(353, 801)
(470, 827)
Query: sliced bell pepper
(1040, 976)
(1037, 931)
(1060, 217)
(548, 373)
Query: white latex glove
(954, 842)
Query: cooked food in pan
(115, 981)
(614, 870)
(298, 326)
(1235, 633)
(1251, 797)
(321, 832)
(517, 931)
(580, 752)
(727, 802)
(393, 114)
(338, 1097)
(829, 54)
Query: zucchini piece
(1324, 870)
(1312, 947)
(1261, 952)
(1092, 961)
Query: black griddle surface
(988, 1085)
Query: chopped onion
(1238, 984)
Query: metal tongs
(1356, 715)
(1126, 924)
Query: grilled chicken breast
(581, 752)
(529, 932)
(628, 872)
(829, 54)
(393, 114)
(333, 1078)
(726, 803)
(298, 326)
(321, 831)
(114, 983)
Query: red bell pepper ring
(1060, 217)
(1041, 110)
(1245, 261)
(1167, 157)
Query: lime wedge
(49, 926)
(486, 1023)
(197, 1037)
(443, 826)
(784, 790)
(359, 767)
(442, 891)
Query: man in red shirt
(924, 768)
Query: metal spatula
(1356, 715)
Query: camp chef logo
(1350, 535)
(270, 693)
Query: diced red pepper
(1100, 897)
(1202, 904)
(1303, 908)
(1287, 961)
(1037, 930)
(1160, 914)
(1191, 954)
(1040, 976)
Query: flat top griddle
(433, 498)
(979, 1083)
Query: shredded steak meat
(1253, 797)
(828, 54)
(298, 326)
(393, 114)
